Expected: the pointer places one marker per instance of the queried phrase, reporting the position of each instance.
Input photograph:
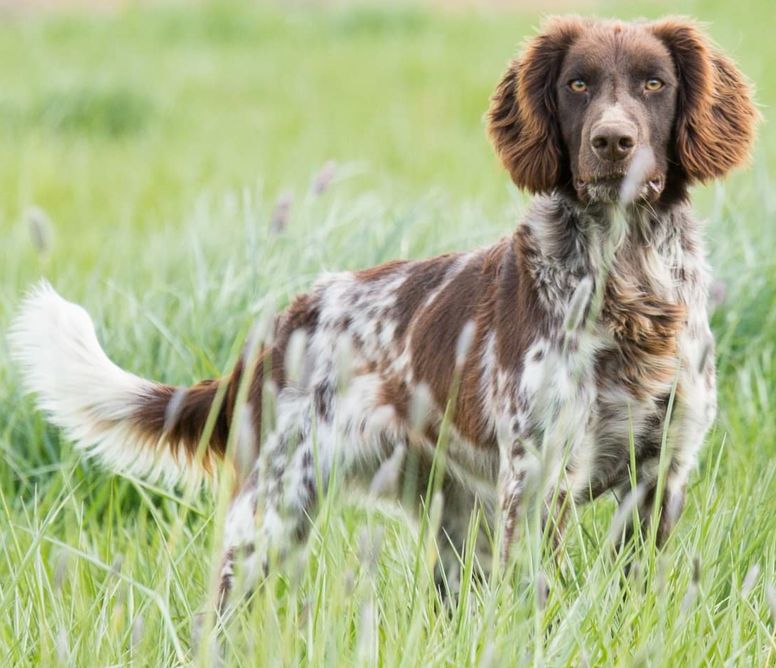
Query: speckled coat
(526, 370)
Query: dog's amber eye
(653, 84)
(578, 86)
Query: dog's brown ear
(716, 115)
(522, 118)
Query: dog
(545, 361)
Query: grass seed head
(138, 628)
(367, 623)
(770, 597)
(434, 522)
(750, 580)
(689, 598)
(269, 403)
(707, 350)
(578, 305)
(542, 589)
(488, 656)
(344, 358)
(295, 355)
(173, 409)
(40, 229)
(385, 482)
(696, 570)
(323, 178)
(246, 444)
(116, 565)
(259, 334)
(421, 404)
(281, 214)
(61, 569)
(62, 647)
(370, 545)
(624, 514)
(717, 294)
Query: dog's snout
(613, 142)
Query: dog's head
(587, 100)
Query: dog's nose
(613, 142)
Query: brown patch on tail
(182, 427)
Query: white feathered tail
(132, 425)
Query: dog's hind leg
(457, 543)
(273, 512)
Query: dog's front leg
(550, 477)
(695, 407)
(262, 524)
(662, 480)
(546, 448)
(272, 514)
(511, 488)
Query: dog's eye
(653, 84)
(578, 86)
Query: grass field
(144, 153)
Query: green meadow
(179, 170)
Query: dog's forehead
(606, 45)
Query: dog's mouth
(618, 187)
(638, 179)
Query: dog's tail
(134, 426)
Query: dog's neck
(575, 233)
(560, 241)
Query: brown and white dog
(557, 347)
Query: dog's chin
(618, 190)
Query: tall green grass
(155, 146)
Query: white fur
(82, 391)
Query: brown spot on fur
(468, 296)
(423, 278)
(645, 328)
(380, 271)
(520, 318)
(394, 392)
(188, 424)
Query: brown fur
(522, 116)
(646, 330)
(186, 428)
(716, 118)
